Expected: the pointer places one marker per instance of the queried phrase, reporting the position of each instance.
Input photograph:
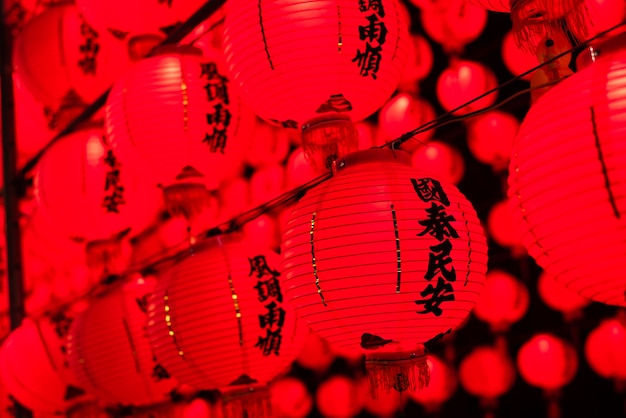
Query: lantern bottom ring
(399, 371)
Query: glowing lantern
(442, 160)
(295, 69)
(363, 256)
(32, 128)
(605, 347)
(560, 297)
(177, 119)
(267, 183)
(316, 354)
(109, 353)
(516, 59)
(401, 114)
(566, 182)
(463, 81)
(290, 398)
(30, 368)
(263, 230)
(298, 171)
(453, 24)
(487, 372)
(490, 138)
(198, 408)
(17, 13)
(242, 336)
(605, 14)
(503, 301)
(442, 385)
(420, 63)
(76, 73)
(108, 202)
(270, 145)
(547, 362)
(501, 227)
(339, 397)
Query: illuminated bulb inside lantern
(326, 138)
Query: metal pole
(11, 186)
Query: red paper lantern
(442, 385)
(503, 300)
(63, 61)
(502, 229)
(404, 113)
(270, 145)
(560, 297)
(566, 179)
(547, 362)
(360, 256)
(298, 170)
(177, 119)
(339, 397)
(516, 59)
(490, 138)
(233, 337)
(605, 14)
(463, 81)
(441, 160)
(487, 372)
(17, 13)
(88, 193)
(453, 24)
(295, 69)
(419, 65)
(30, 366)
(33, 131)
(290, 398)
(109, 352)
(605, 347)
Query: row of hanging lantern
(373, 201)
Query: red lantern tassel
(188, 195)
(107, 256)
(327, 138)
(246, 402)
(400, 371)
(533, 19)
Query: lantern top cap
(177, 49)
(373, 155)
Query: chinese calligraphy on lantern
(88, 49)
(114, 191)
(218, 118)
(437, 224)
(374, 33)
(268, 293)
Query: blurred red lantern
(490, 138)
(198, 408)
(419, 65)
(263, 230)
(290, 398)
(605, 348)
(516, 59)
(109, 352)
(487, 372)
(316, 354)
(605, 14)
(502, 229)
(270, 145)
(294, 71)
(463, 81)
(560, 297)
(234, 198)
(31, 367)
(503, 301)
(361, 251)
(495, 5)
(177, 119)
(547, 362)
(440, 159)
(339, 397)
(243, 335)
(267, 183)
(566, 179)
(404, 113)
(453, 24)
(17, 13)
(442, 385)
(298, 171)
(138, 17)
(63, 61)
(32, 129)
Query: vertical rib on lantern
(567, 180)
(366, 271)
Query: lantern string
(157, 261)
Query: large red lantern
(547, 362)
(219, 318)
(605, 347)
(316, 65)
(109, 352)
(382, 258)
(175, 118)
(567, 179)
(63, 61)
(31, 367)
(487, 372)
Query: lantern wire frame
(234, 224)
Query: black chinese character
(159, 373)
(259, 266)
(369, 60)
(275, 316)
(438, 223)
(142, 302)
(220, 117)
(216, 140)
(438, 259)
(269, 288)
(89, 49)
(217, 91)
(169, 2)
(113, 201)
(61, 323)
(376, 5)
(271, 343)
(430, 189)
(443, 292)
(374, 31)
